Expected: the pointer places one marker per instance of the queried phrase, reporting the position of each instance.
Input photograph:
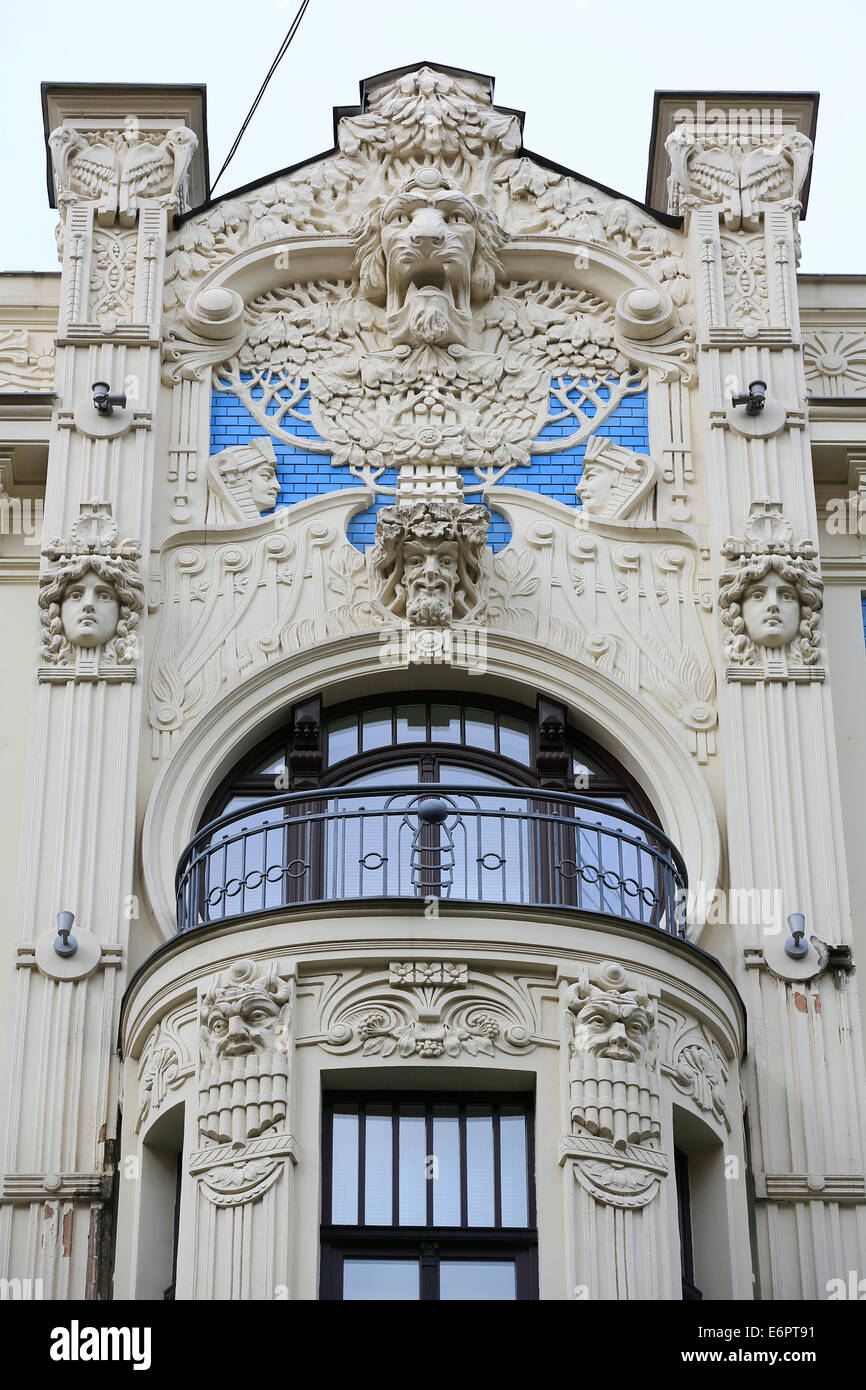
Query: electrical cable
(252, 111)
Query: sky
(584, 71)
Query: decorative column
(244, 1162)
(618, 1233)
(115, 190)
(738, 188)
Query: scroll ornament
(430, 1010)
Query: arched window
(427, 738)
(431, 796)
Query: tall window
(428, 1198)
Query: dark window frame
(691, 1292)
(243, 781)
(430, 1244)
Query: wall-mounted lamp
(753, 399)
(796, 946)
(64, 943)
(104, 399)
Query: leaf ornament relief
(421, 359)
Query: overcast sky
(584, 72)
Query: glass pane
(514, 739)
(378, 1208)
(342, 738)
(581, 763)
(411, 724)
(413, 1168)
(376, 729)
(445, 723)
(478, 1279)
(512, 1150)
(403, 775)
(446, 1170)
(631, 887)
(454, 775)
(344, 1183)
(479, 1165)
(237, 803)
(381, 1279)
(480, 729)
(274, 764)
(240, 854)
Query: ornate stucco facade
(430, 424)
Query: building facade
(432, 740)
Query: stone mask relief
(771, 594)
(90, 600)
(245, 1019)
(616, 483)
(242, 483)
(428, 564)
(613, 1052)
(612, 1028)
(613, 1017)
(89, 610)
(428, 252)
(771, 611)
(243, 1013)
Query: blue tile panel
(557, 475)
(304, 475)
(863, 610)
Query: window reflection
(427, 1197)
(382, 1280)
(477, 1150)
(468, 1280)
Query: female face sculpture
(594, 487)
(89, 610)
(771, 611)
(264, 487)
(242, 483)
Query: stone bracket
(720, 338)
(780, 672)
(266, 1146)
(847, 1188)
(61, 1187)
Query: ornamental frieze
(423, 354)
(421, 119)
(425, 1010)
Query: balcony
(464, 845)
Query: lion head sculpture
(427, 253)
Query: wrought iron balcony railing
(504, 845)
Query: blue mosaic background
(304, 475)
